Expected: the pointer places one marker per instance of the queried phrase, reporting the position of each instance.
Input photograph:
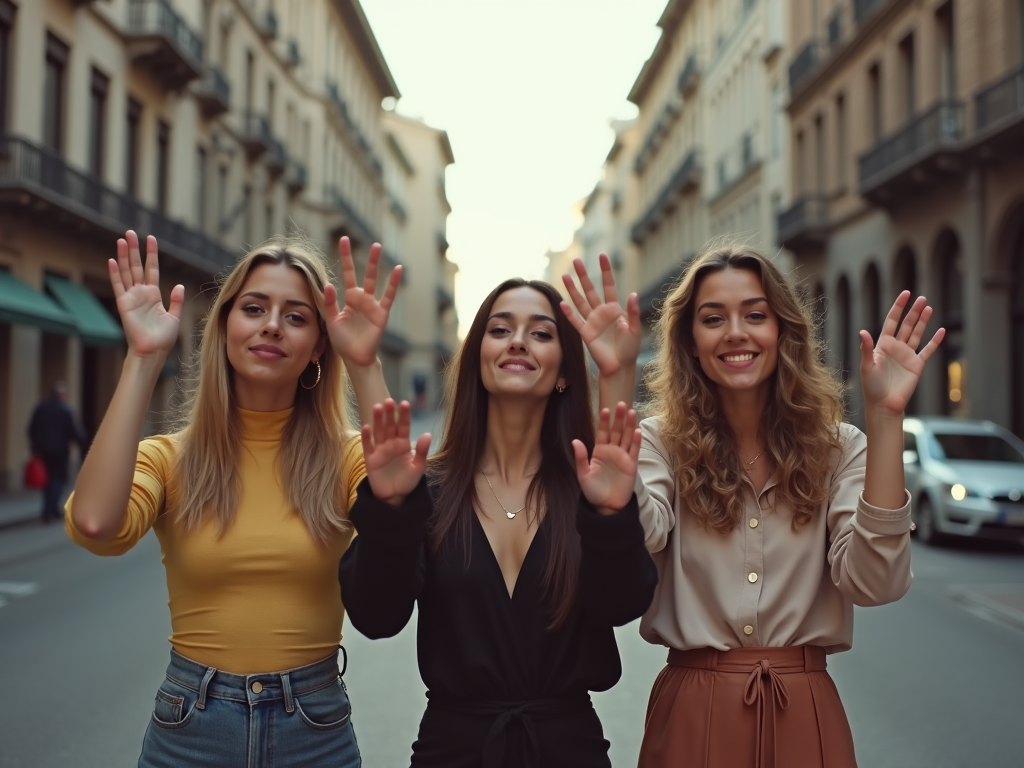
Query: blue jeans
(206, 717)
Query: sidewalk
(20, 508)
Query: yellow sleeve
(153, 467)
(353, 466)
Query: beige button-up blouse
(764, 584)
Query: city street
(933, 681)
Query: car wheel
(926, 532)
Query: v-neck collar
(494, 557)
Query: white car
(966, 478)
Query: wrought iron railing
(686, 175)
(27, 165)
(363, 229)
(862, 9)
(215, 85)
(803, 65)
(941, 125)
(689, 74)
(1000, 100)
(809, 212)
(157, 17)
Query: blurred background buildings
(212, 124)
(875, 145)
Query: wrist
(151, 363)
(361, 369)
(879, 414)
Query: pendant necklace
(748, 468)
(509, 515)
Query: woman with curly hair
(769, 518)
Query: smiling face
(520, 353)
(735, 331)
(272, 335)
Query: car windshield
(956, 446)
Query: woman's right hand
(392, 467)
(150, 329)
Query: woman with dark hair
(522, 546)
(768, 516)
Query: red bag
(35, 473)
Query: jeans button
(257, 687)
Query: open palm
(356, 330)
(891, 368)
(612, 335)
(392, 467)
(608, 478)
(149, 328)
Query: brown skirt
(746, 708)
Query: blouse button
(748, 630)
(751, 577)
(753, 522)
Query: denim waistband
(263, 686)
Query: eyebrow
(509, 315)
(264, 297)
(744, 303)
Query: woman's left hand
(607, 479)
(356, 329)
(890, 369)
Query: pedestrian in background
(769, 518)
(248, 498)
(522, 546)
(51, 431)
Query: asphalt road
(934, 681)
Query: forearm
(617, 388)
(105, 480)
(884, 483)
(369, 387)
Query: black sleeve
(617, 574)
(382, 573)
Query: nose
(272, 325)
(736, 331)
(518, 341)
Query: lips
(515, 364)
(740, 358)
(267, 352)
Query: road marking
(16, 589)
(983, 600)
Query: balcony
(351, 224)
(255, 134)
(835, 28)
(925, 150)
(292, 56)
(804, 226)
(42, 183)
(689, 78)
(295, 176)
(276, 157)
(803, 65)
(863, 9)
(686, 178)
(268, 25)
(999, 114)
(213, 92)
(160, 41)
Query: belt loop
(210, 672)
(286, 687)
(344, 658)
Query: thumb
(867, 347)
(331, 300)
(177, 301)
(422, 446)
(582, 463)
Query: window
(53, 93)
(6, 22)
(200, 188)
(98, 87)
(250, 66)
(947, 52)
(270, 106)
(268, 213)
(163, 151)
(131, 181)
(801, 165)
(819, 154)
(247, 212)
(875, 102)
(841, 140)
(909, 73)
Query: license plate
(1013, 515)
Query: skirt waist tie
(764, 668)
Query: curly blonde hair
(800, 424)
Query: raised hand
(392, 467)
(612, 335)
(356, 330)
(149, 327)
(891, 368)
(607, 479)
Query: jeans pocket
(325, 708)
(174, 705)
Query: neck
(512, 447)
(250, 398)
(743, 411)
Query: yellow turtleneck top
(262, 597)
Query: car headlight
(958, 492)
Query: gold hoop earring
(317, 377)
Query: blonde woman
(769, 518)
(248, 498)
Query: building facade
(907, 127)
(211, 124)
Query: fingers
(404, 420)
(177, 301)
(135, 259)
(331, 308)
(572, 317)
(919, 328)
(615, 434)
(892, 319)
(372, 265)
(867, 348)
(634, 446)
(419, 458)
(579, 451)
(633, 312)
(932, 345)
(588, 287)
(582, 306)
(348, 266)
(114, 272)
(603, 425)
(124, 245)
(910, 321)
(366, 435)
(152, 269)
(608, 279)
(392, 288)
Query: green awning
(22, 305)
(94, 323)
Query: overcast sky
(525, 89)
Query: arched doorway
(843, 328)
(949, 267)
(1017, 337)
(904, 278)
(871, 295)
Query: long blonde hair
(210, 431)
(800, 424)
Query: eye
(296, 318)
(543, 334)
(252, 309)
(498, 330)
(711, 320)
(757, 315)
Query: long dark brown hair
(568, 415)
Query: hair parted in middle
(452, 470)
(800, 424)
(209, 427)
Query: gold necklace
(750, 464)
(509, 515)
